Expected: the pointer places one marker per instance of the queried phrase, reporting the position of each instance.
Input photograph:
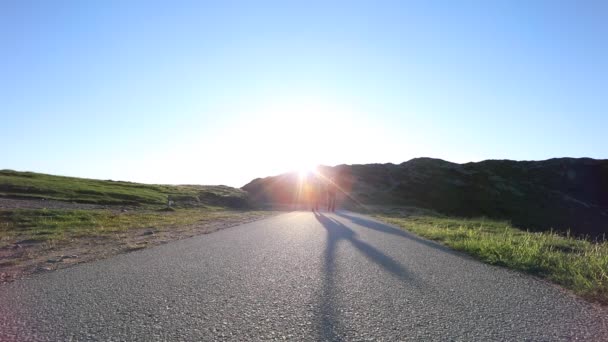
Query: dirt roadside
(25, 257)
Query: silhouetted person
(315, 201)
(331, 196)
(315, 194)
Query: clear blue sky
(223, 92)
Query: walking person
(331, 196)
(315, 193)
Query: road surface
(298, 276)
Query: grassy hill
(49, 222)
(29, 185)
(561, 194)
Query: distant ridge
(558, 193)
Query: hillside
(51, 222)
(560, 194)
(29, 185)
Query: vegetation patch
(32, 185)
(42, 225)
(49, 222)
(575, 263)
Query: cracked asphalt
(297, 276)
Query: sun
(305, 170)
(303, 131)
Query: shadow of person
(329, 328)
(384, 228)
(338, 231)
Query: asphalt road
(297, 276)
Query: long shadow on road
(384, 228)
(328, 325)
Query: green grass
(60, 225)
(36, 186)
(576, 264)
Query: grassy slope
(36, 185)
(576, 264)
(57, 225)
(193, 204)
